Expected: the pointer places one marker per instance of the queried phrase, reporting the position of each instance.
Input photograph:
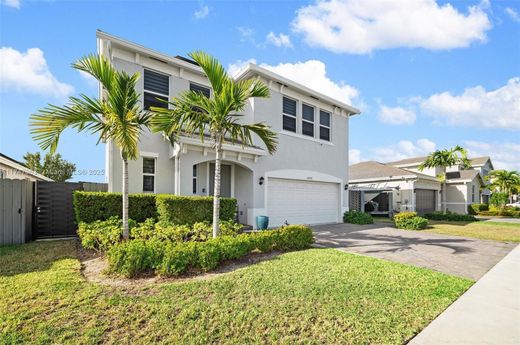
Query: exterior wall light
(261, 181)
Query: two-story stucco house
(401, 186)
(303, 182)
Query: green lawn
(509, 232)
(313, 296)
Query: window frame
(295, 116)
(313, 122)
(150, 92)
(329, 127)
(195, 174)
(150, 174)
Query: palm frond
(98, 67)
(213, 69)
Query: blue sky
(426, 74)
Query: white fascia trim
(226, 147)
(24, 169)
(150, 52)
(383, 179)
(255, 69)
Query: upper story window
(324, 125)
(289, 114)
(156, 88)
(307, 120)
(148, 174)
(202, 89)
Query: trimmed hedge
(192, 209)
(498, 213)
(449, 216)
(410, 221)
(356, 217)
(92, 206)
(474, 209)
(174, 258)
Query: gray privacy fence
(19, 199)
(16, 200)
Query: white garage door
(302, 202)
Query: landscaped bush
(356, 217)
(499, 213)
(189, 210)
(410, 221)
(450, 216)
(174, 258)
(102, 234)
(92, 206)
(474, 209)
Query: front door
(225, 180)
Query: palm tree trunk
(126, 231)
(216, 189)
(443, 199)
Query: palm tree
(192, 113)
(444, 159)
(117, 116)
(505, 181)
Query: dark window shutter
(202, 89)
(156, 82)
(324, 133)
(289, 123)
(324, 118)
(148, 182)
(152, 100)
(308, 112)
(149, 165)
(308, 128)
(289, 106)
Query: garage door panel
(302, 202)
(425, 200)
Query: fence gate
(15, 211)
(54, 210)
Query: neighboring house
(403, 186)
(303, 182)
(14, 170)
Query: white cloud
(28, 72)
(403, 149)
(396, 115)
(505, 155)
(513, 14)
(202, 12)
(477, 107)
(235, 67)
(91, 81)
(311, 73)
(360, 27)
(246, 34)
(354, 156)
(11, 3)
(280, 40)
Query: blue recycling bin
(262, 222)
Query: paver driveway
(459, 256)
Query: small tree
(444, 159)
(193, 113)
(53, 166)
(499, 200)
(116, 117)
(505, 181)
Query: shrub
(499, 199)
(177, 258)
(474, 209)
(189, 210)
(293, 237)
(203, 231)
(450, 216)
(92, 206)
(135, 256)
(174, 258)
(410, 221)
(102, 234)
(356, 217)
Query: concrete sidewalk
(488, 313)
